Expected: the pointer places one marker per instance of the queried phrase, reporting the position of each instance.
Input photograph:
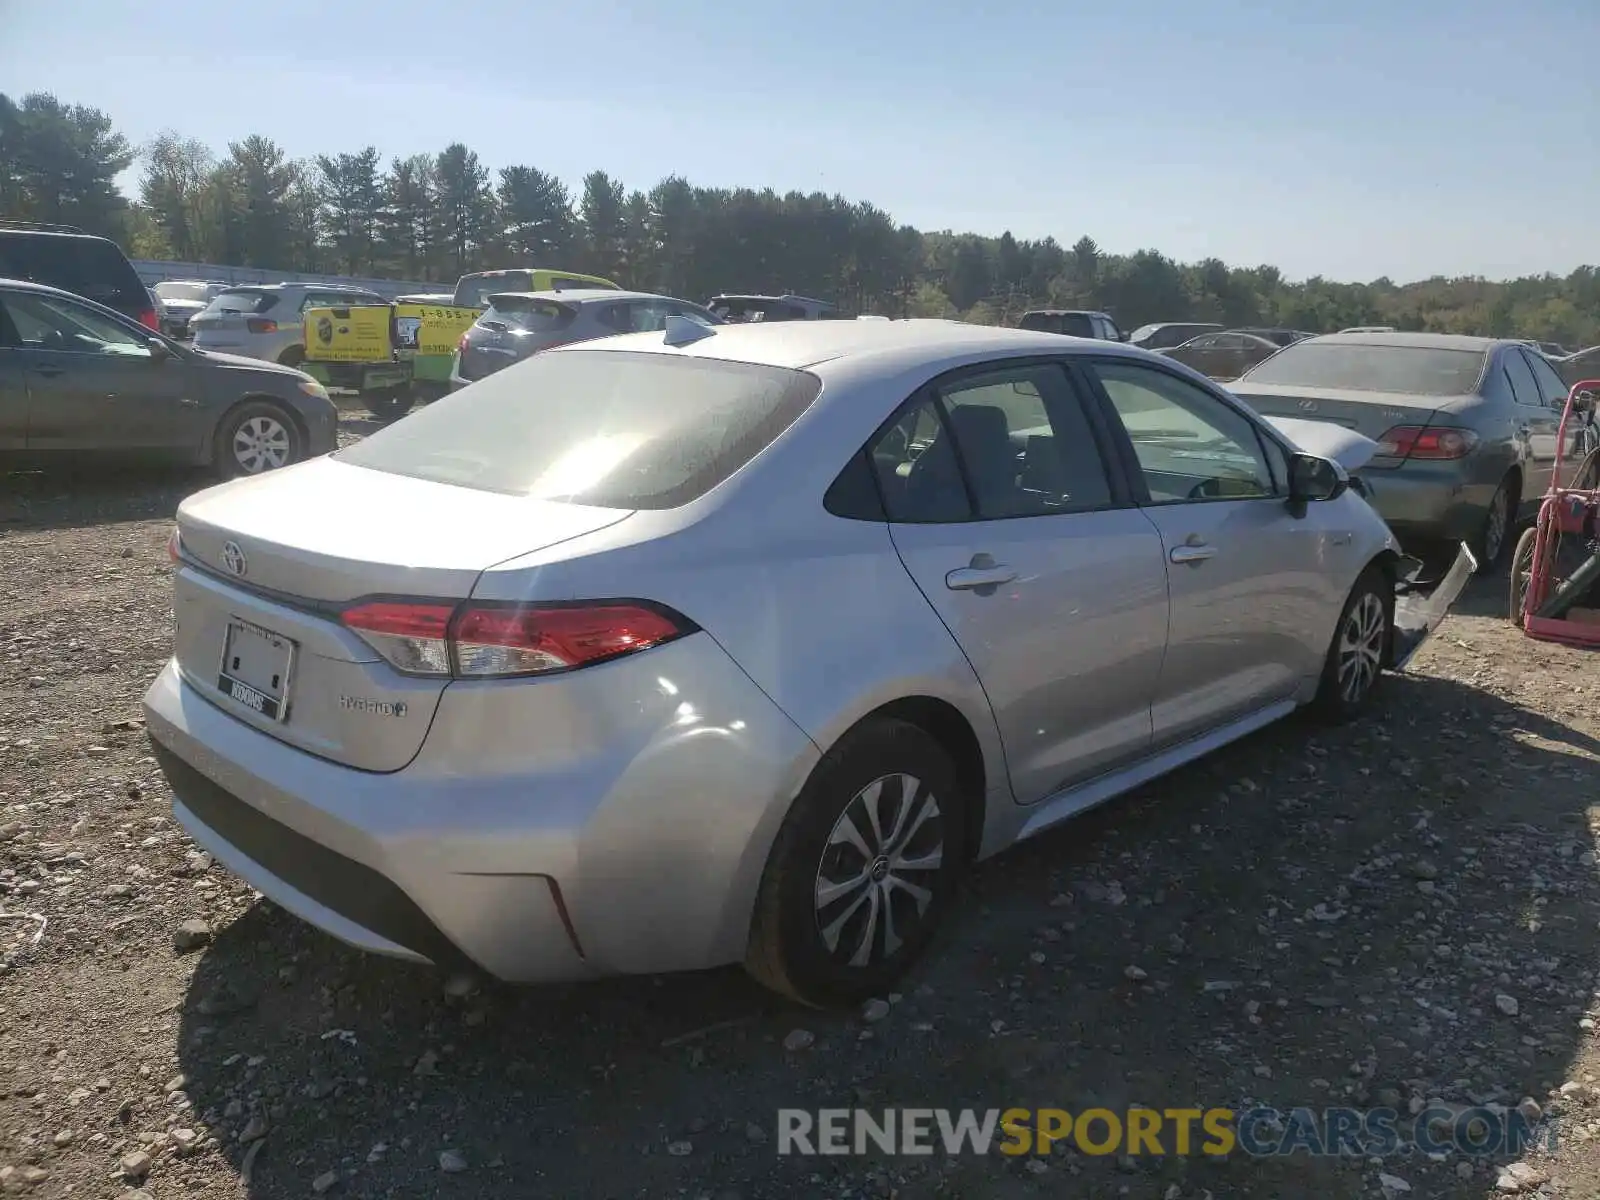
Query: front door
(93, 382)
(1052, 583)
(1252, 602)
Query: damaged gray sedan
(740, 644)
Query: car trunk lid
(269, 563)
(1371, 414)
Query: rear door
(1249, 583)
(1554, 395)
(1005, 512)
(1537, 424)
(93, 383)
(13, 387)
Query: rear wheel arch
(293, 356)
(944, 722)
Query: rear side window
(602, 427)
(243, 300)
(474, 290)
(87, 266)
(1352, 366)
(535, 316)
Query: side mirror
(159, 350)
(1582, 402)
(1314, 479)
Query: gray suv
(519, 324)
(264, 320)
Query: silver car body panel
(641, 796)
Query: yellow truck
(395, 354)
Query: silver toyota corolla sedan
(738, 644)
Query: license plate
(256, 664)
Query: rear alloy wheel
(256, 437)
(862, 870)
(1360, 650)
(1498, 522)
(1521, 572)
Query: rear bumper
(1430, 500)
(617, 842)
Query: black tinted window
(86, 266)
(602, 427)
(1354, 366)
(243, 300)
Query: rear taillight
(484, 641)
(261, 325)
(461, 346)
(175, 546)
(1433, 443)
(148, 318)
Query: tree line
(439, 215)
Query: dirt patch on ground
(1401, 912)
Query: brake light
(1433, 443)
(461, 346)
(148, 318)
(175, 546)
(261, 325)
(478, 641)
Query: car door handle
(966, 579)
(1192, 554)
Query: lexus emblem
(233, 559)
(1308, 406)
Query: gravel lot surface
(1398, 912)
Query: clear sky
(1353, 139)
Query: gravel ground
(1398, 912)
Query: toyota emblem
(233, 559)
(1308, 406)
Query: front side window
(1191, 446)
(48, 323)
(1550, 385)
(1013, 442)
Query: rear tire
(389, 405)
(1521, 572)
(1499, 522)
(1353, 669)
(862, 870)
(256, 437)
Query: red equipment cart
(1555, 572)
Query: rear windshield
(243, 300)
(473, 291)
(527, 312)
(86, 266)
(183, 291)
(603, 427)
(1410, 370)
(1072, 324)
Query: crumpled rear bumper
(1418, 613)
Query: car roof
(1415, 341)
(587, 296)
(799, 345)
(1077, 312)
(44, 289)
(278, 287)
